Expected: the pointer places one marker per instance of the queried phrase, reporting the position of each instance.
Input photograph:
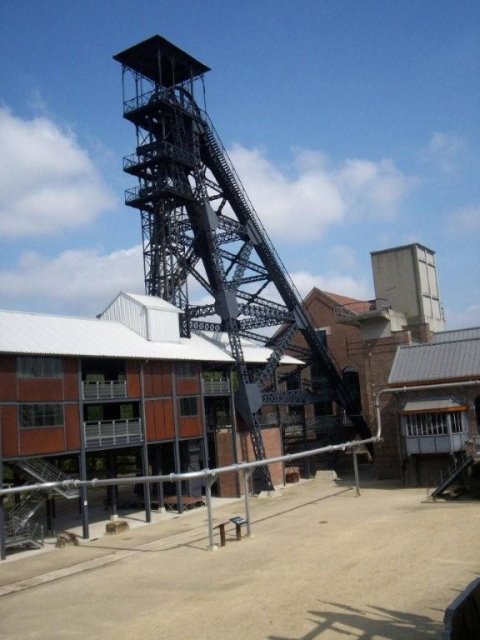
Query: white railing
(104, 390)
(218, 387)
(104, 433)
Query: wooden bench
(238, 521)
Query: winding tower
(202, 233)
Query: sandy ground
(322, 563)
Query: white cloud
(465, 220)
(318, 196)
(344, 257)
(443, 151)
(332, 282)
(48, 183)
(76, 281)
(461, 319)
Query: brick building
(367, 340)
(123, 393)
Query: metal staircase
(20, 528)
(43, 471)
(198, 224)
(452, 473)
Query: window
(39, 367)
(41, 415)
(432, 424)
(186, 370)
(188, 406)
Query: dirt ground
(322, 563)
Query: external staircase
(21, 529)
(451, 474)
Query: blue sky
(353, 126)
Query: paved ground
(322, 563)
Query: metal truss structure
(199, 226)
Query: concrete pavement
(322, 563)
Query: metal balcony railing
(112, 433)
(104, 390)
(216, 387)
(350, 312)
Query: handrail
(210, 476)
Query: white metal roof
(38, 334)
(149, 302)
(252, 351)
(459, 359)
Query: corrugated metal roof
(149, 302)
(252, 351)
(61, 335)
(456, 334)
(436, 361)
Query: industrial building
(80, 397)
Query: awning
(433, 405)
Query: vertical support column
(234, 430)
(247, 474)
(178, 468)
(210, 480)
(204, 419)
(157, 470)
(146, 486)
(112, 489)
(355, 470)
(83, 458)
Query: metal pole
(355, 470)
(83, 457)
(176, 445)
(146, 486)
(247, 474)
(210, 480)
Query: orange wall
(72, 427)
(188, 386)
(42, 441)
(70, 379)
(190, 426)
(157, 379)
(133, 379)
(159, 416)
(40, 389)
(9, 431)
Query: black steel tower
(198, 223)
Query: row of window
(433, 424)
(52, 414)
(51, 367)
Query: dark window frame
(39, 367)
(189, 407)
(39, 415)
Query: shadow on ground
(368, 623)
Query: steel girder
(192, 205)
